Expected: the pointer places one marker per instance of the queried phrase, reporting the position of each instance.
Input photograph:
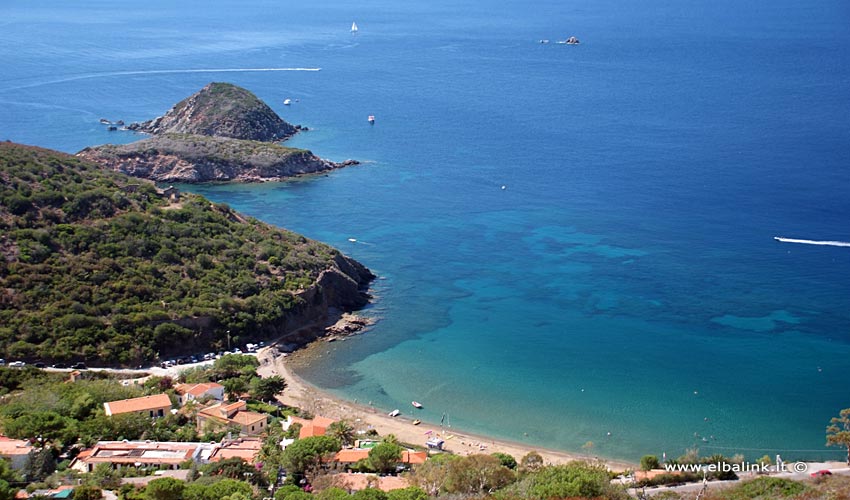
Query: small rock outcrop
(223, 110)
(187, 158)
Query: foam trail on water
(813, 242)
(155, 72)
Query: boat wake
(153, 72)
(813, 242)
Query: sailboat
(354, 28)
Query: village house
(142, 454)
(233, 414)
(354, 455)
(17, 451)
(318, 426)
(355, 481)
(154, 406)
(194, 392)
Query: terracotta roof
(10, 447)
(355, 481)
(351, 456)
(138, 404)
(246, 449)
(315, 427)
(354, 455)
(249, 417)
(196, 389)
(414, 457)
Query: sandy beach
(300, 393)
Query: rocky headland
(190, 158)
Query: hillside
(100, 267)
(197, 158)
(224, 110)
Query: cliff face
(195, 158)
(224, 110)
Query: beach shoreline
(307, 396)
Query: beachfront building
(355, 481)
(142, 454)
(154, 406)
(318, 426)
(198, 392)
(16, 451)
(351, 456)
(233, 415)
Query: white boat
(287, 102)
(416, 404)
(394, 413)
(371, 119)
(354, 28)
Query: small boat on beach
(417, 422)
(416, 404)
(394, 413)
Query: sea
(575, 244)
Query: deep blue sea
(572, 241)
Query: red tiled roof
(351, 456)
(196, 389)
(144, 403)
(355, 481)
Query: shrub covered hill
(224, 110)
(101, 267)
(220, 133)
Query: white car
(17, 364)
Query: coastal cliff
(195, 158)
(102, 267)
(223, 110)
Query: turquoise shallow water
(626, 279)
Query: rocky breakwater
(221, 133)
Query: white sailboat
(354, 28)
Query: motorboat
(394, 413)
(416, 404)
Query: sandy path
(303, 395)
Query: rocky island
(222, 110)
(221, 133)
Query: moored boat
(371, 119)
(416, 404)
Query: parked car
(59, 365)
(79, 365)
(822, 473)
(2, 362)
(17, 364)
(39, 364)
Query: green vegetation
(95, 266)
(222, 109)
(838, 431)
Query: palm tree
(343, 431)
